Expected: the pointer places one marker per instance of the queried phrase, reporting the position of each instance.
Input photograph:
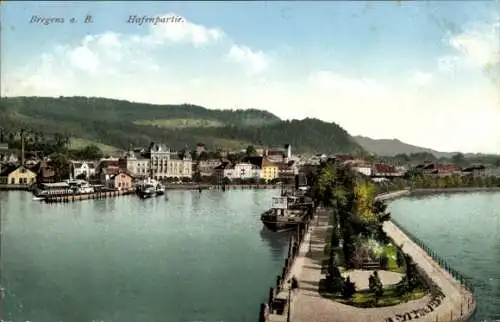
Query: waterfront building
(137, 164)
(180, 166)
(14, 175)
(206, 167)
(107, 173)
(244, 171)
(121, 180)
(167, 164)
(223, 170)
(268, 170)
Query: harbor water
(464, 229)
(194, 257)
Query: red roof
(443, 167)
(343, 157)
(384, 168)
(447, 168)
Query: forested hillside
(120, 123)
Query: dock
(88, 196)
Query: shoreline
(17, 187)
(459, 303)
(455, 302)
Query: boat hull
(279, 227)
(146, 195)
(283, 223)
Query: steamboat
(287, 211)
(150, 188)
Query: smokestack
(22, 147)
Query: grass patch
(77, 143)
(392, 264)
(180, 123)
(366, 298)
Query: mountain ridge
(121, 123)
(392, 147)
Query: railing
(273, 304)
(467, 310)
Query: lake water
(465, 230)
(194, 257)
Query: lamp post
(289, 301)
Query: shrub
(349, 289)
(384, 262)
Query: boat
(38, 198)
(150, 188)
(287, 211)
(63, 188)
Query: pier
(88, 196)
(452, 300)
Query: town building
(223, 172)
(385, 170)
(279, 155)
(83, 169)
(180, 166)
(17, 175)
(441, 170)
(137, 164)
(268, 170)
(45, 171)
(122, 180)
(360, 166)
(475, 171)
(166, 164)
(245, 171)
(287, 172)
(205, 168)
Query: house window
(12, 180)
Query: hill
(388, 147)
(119, 123)
(391, 148)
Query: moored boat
(150, 188)
(287, 212)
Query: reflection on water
(464, 229)
(278, 242)
(191, 257)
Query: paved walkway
(307, 305)
(457, 297)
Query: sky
(426, 73)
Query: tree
(251, 151)
(349, 288)
(61, 166)
(375, 285)
(90, 152)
